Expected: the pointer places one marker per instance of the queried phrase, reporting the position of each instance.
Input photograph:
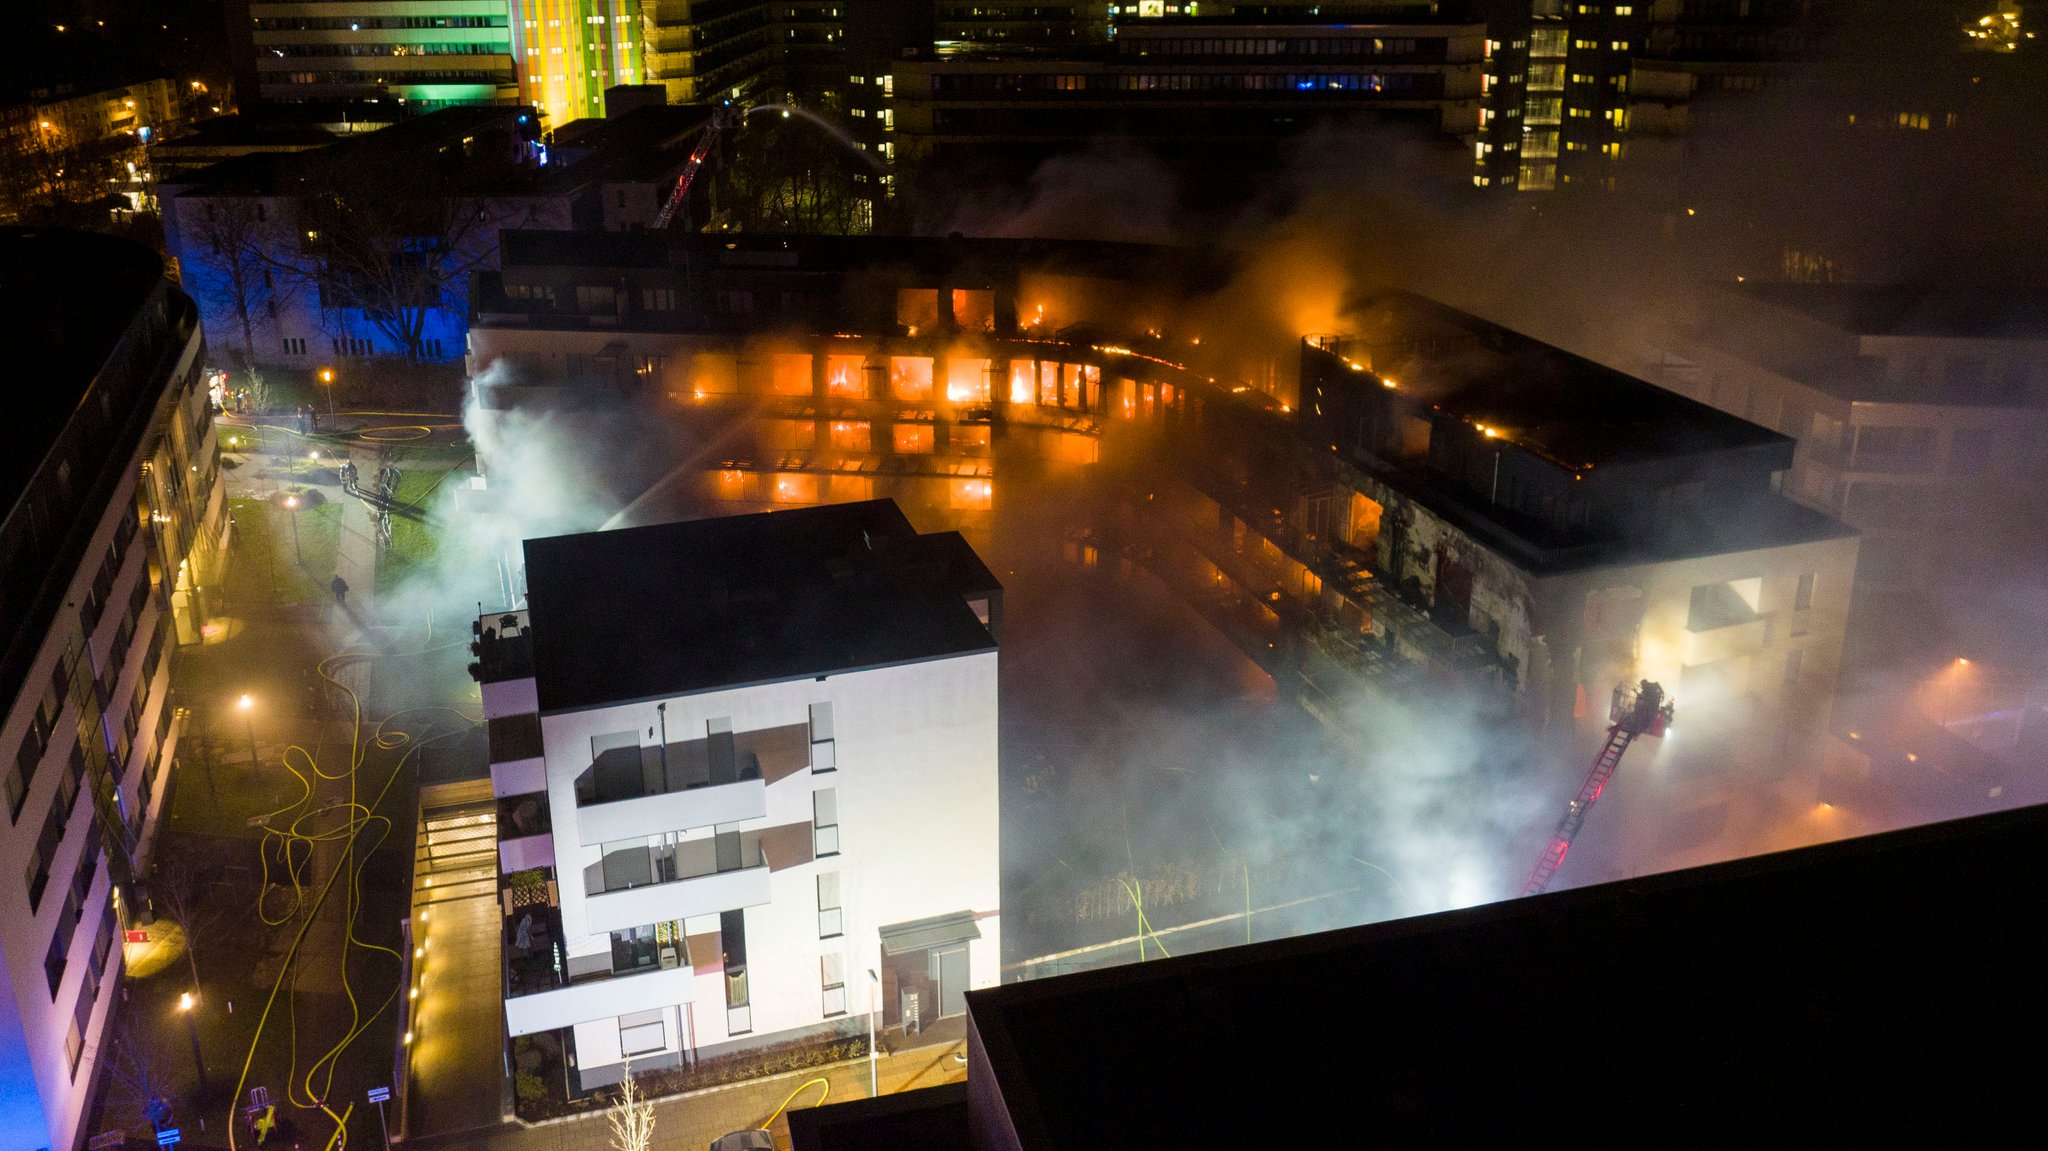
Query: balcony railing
(701, 806)
(695, 877)
(599, 997)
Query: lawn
(421, 487)
(278, 563)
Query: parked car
(752, 1139)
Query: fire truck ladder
(1643, 712)
(720, 120)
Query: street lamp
(292, 502)
(874, 1066)
(327, 379)
(248, 709)
(185, 1004)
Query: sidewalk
(264, 644)
(688, 1122)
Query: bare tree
(632, 1117)
(794, 175)
(137, 1069)
(238, 260)
(179, 887)
(397, 240)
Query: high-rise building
(1025, 25)
(404, 53)
(114, 504)
(1571, 86)
(706, 50)
(1190, 89)
(751, 765)
(569, 51)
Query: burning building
(1428, 502)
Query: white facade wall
(916, 787)
(43, 1091)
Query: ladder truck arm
(1645, 711)
(720, 120)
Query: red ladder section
(1618, 738)
(682, 193)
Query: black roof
(700, 605)
(417, 138)
(994, 257)
(1567, 408)
(1906, 310)
(1888, 983)
(66, 299)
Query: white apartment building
(113, 504)
(1920, 414)
(747, 780)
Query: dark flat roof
(417, 138)
(66, 299)
(1565, 407)
(1900, 310)
(1887, 983)
(706, 604)
(526, 249)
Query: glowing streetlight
(247, 706)
(327, 381)
(874, 1066)
(292, 503)
(185, 1005)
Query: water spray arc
(833, 130)
(724, 119)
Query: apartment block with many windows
(421, 53)
(114, 506)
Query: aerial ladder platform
(1641, 712)
(721, 120)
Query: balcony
(517, 764)
(546, 989)
(696, 877)
(632, 791)
(525, 833)
(1727, 641)
(599, 995)
(700, 806)
(1723, 622)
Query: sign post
(168, 1137)
(381, 1096)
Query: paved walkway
(355, 554)
(457, 1057)
(693, 1121)
(265, 648)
